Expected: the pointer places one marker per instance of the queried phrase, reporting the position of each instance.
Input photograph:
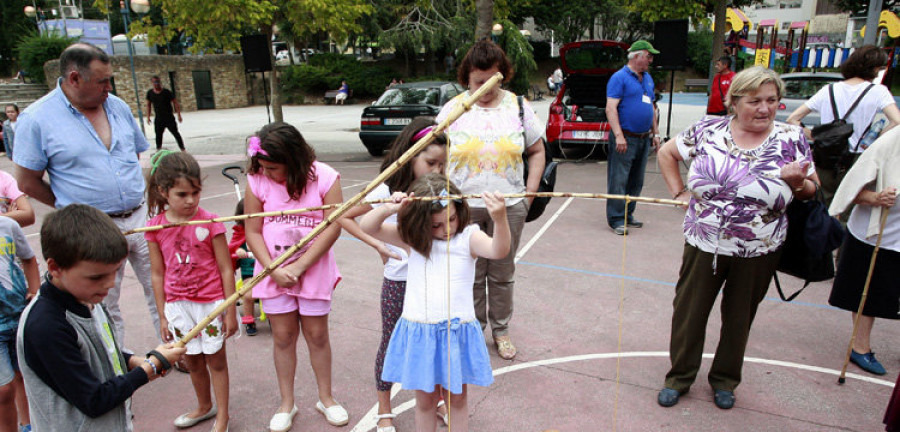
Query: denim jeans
(625, 176)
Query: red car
(577, 124)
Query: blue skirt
(417, 356)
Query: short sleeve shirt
(54, 136)
(738, 201)
(635, 99)
(845, 94)
(394, 269)
(282, 232)
(9, 191)
(162, 102)
(192, 272)
(13, 288)
(486, 146)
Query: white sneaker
(282, 422)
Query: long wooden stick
(647, 200)
(865, 293)
(420, 145)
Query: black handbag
(548, 179)
(811, 238)
(831, 141)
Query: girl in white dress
(438, 343)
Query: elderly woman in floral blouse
(745, 170)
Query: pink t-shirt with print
(282, 232)
(9, 191)
(191, 270)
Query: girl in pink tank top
(284, 175)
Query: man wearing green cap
(632, 119)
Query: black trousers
(163, 123)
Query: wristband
(162, 360)
(152, 365)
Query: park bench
(330, 94)
(701, 83)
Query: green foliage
(520, 54)
(15, 24)
(569, 19)
(325, 72)
(699, 50)
(34, 50)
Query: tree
(220, 24)
(15, 25)
(436, 26)
(861, 7)
(484, 11)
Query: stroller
(246, 318)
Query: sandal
(281, 422)
(505, 347)
(444, 417)
(390, 428)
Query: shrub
(34, 50)
(699, 51)
(325, 72)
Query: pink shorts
(287, 303)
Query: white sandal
(444, 417)
(335, 415)
(390, 428)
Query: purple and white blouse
(738, 199)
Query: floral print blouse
(738, 199)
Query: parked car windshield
(410, 96)
(805, 87)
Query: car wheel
(374, 149)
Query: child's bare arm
(497, 247)
(223, 261)
(348, 222)
(32, 276)
(158, 278)
(20, 211)
(373, 223)
(253, 229)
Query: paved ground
(592, 321)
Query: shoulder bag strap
(855, 103)
(834, 109)
(522, 121)
(781, 293)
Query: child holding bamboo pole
(192, 275)
(284, 174)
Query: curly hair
(864, 63)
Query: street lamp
(140, 7)
(496, 31)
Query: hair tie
(254, 147)
(156, 158)
(422, 133)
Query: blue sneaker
(867, 362)
(25, 428)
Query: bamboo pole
(865, 293)
(493, 82)
(646, 200)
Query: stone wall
(226, 72)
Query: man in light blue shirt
(88, 143)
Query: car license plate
(592, 135)
(402, 121)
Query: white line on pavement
(543, 229)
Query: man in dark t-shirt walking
(162, 101)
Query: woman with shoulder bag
(486, 155)
(858, 70)
(746, 168)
